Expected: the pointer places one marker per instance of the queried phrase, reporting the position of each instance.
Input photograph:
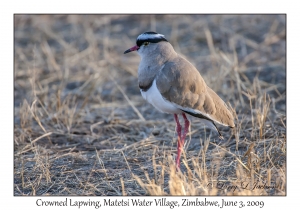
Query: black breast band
(145, 88)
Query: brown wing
(180, 83)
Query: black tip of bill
(127, 51)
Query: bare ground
(82, 128)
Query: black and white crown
(150, 36)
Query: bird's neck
(152, 63)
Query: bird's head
(146, 43)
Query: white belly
(154, 97)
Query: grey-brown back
(181, 83)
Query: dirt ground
(81, 126)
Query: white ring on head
(149, 36)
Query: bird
(173, 85)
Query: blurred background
(78, 108)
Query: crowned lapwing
(173, 85)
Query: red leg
(178, 126)
(179, 146)
(186, 128)
(181, 142)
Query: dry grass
(82, 128)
